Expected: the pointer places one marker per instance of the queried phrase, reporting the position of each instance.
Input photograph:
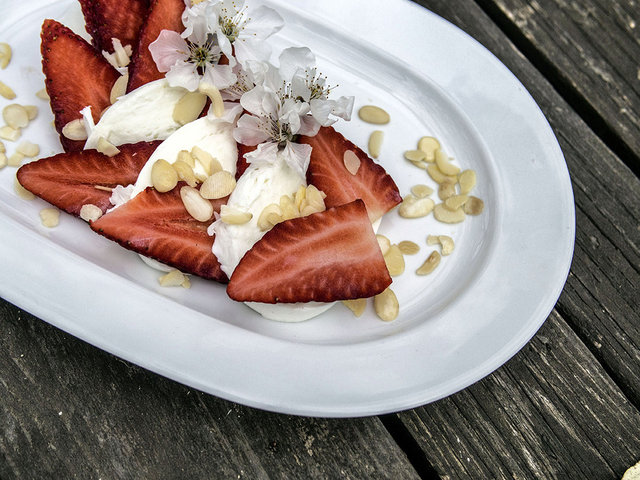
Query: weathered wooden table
(566, 406)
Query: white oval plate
(483, 303)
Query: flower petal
(266, 153)
(168, 49)
(221, 76)
(185, 75)
(249, 131)
(297, 157)
(264, 22)
(309, 126)
(295, 58)
(248, 49)
(260, 101)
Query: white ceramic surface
(477, 310)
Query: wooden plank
(69, 410)
(551, 412)
(591, 49)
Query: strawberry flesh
(328, 173)
(162, 15)
(158, 226)
(76, 76)
(69, 180)
(107, 19)
(324, 257)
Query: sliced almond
(429, 145)
(196, 206)
(351, 162)
(50, 217)
(90, 212)
(42, 94)
(271, 215)
(75, 130)
(3, 160)
(218, 185)
(186, 157)
(233, 216)
(467, 181)
(415, 155)
(373, 114)
(474, 206)
(189, 107)
(414, 207)
(15, 159)
(375, 143)
(447, 244)
(5, 55)
(32, 111)
(357, 306)
(6, 91)
(163, 176)
(386, 305)
(15, 116)
(430, 264)
(433, 240)
(446, 190)
(185, 173)
(122, 56)
(21, 191)
(455, 202)
(107, 148)
(408, 248)
(384, 243)
(210, 164)
(173, 278)
(211, 91)
(444, 164)
(315, 198)
(439, 177)
(288, 208)
(11, 134)
(444, 215)
(421, 191)
(394, 261)
(2, 148)
(119, 88)
(28, 149)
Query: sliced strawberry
(157, 225)
(76, 76)
(242, 164)
(107, 19)
(162, 15)
(327, 172)
(69, 180)
(327, 256)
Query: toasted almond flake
(210, 164)
(474, 206)
(421, 191)
(315, 196)
(50, 217)
(11, 134)
(3, 160)
(415, 155)
(439, 177)
(186, 157)
(107, 148)
(42, 94)
(447, 244)
(233, 216)
(173, 278)
(186, 283)
(15, 159)
(429, 145)
(185, 173)
(122, 55)
(408, 248)
(5, 55)
(189, 107)
(164, 177)
(15, 116)
(32, 111)
(300, 196)
(373, 114)
(357, 306)
(103, 188)
(2, 148)
(218, 185)
(90, 212)
(351, 162)
(444, 215)
(198, 207)
(429, 264)
(420, 165)
(309, 210)
(375, 143)
(6, 91)
(433, 240)
(75, 130)
(21, 191)
(444, 164)
(270, 216)
(455, 202)
(211, 91)
(119, 88)
(28, 149)
(394, 261)
(384, 243)
(414, 207)
(467, 181)
(288, 208)
(386, 305)
(446, 190)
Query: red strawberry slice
(107, 19)
(76, 76)
(69, 180)
(327, 172)
(163, 15)
(158, 226)
(327, 256)
(242, 164)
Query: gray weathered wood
(69, 410)
(593, 50)
(551, 412)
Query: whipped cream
(145, 114)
